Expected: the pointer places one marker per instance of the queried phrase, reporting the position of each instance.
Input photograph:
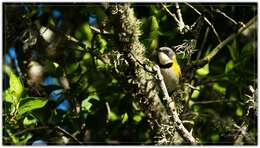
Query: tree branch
(212, 27)
(31, 129)
(67, 134)
(231, 37)
(182, 28)
(226, 16)
(125, 59)
(172, 14)
(205, 60)
(172, 109)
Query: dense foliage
(58, 87)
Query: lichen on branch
(140, 83)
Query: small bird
(169, 68)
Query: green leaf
(16, 85)
(154, 10)
(7, 69)
(203, 71)
(154, 26)
(233, 51)
(112, 116)
(31, 103)
(153, 45)
(154, 35)
(84, 34)
(196, 92)
(86, 104)
(137, 118)
(229, 66)
(214, 137)
(27, 121)
(101, 44)
(87, 31)
(196, 108)
(239, 111)
(247, 50)
(125, 118)
(219, 88)
(14, 139)
(25, 139)
(9, 96)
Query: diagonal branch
(231, 37)
(224, 14)
(172, 14)
(182, 28)
(172, 109)
(206, 59)
(206, 20)
(67, 134)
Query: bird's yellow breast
(176, 68)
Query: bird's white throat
(164, 59)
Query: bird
(169, 68)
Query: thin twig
(224, 14)
(211, 101)
(98, 30)
(172, 14)
(31, 129)
(68, 134)
(231, 37)
(182, 28)
(205, 60)
(203, 43)
(108, 111)
(211, 25)
(178, 10)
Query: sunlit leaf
(102, 44)
(15, 140)
(87, 31)
(196, 93)
(16, 85)
(112, 116)
(125, 118)
(219, 88)
(100, 64)
(203, 71)
(86, 104)
(137, 118)
(7, 69)
(229, 66)
(31, 103)
(25, 139)
(239, 111)
(9, 96)
(27, 121)
(56, 64)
